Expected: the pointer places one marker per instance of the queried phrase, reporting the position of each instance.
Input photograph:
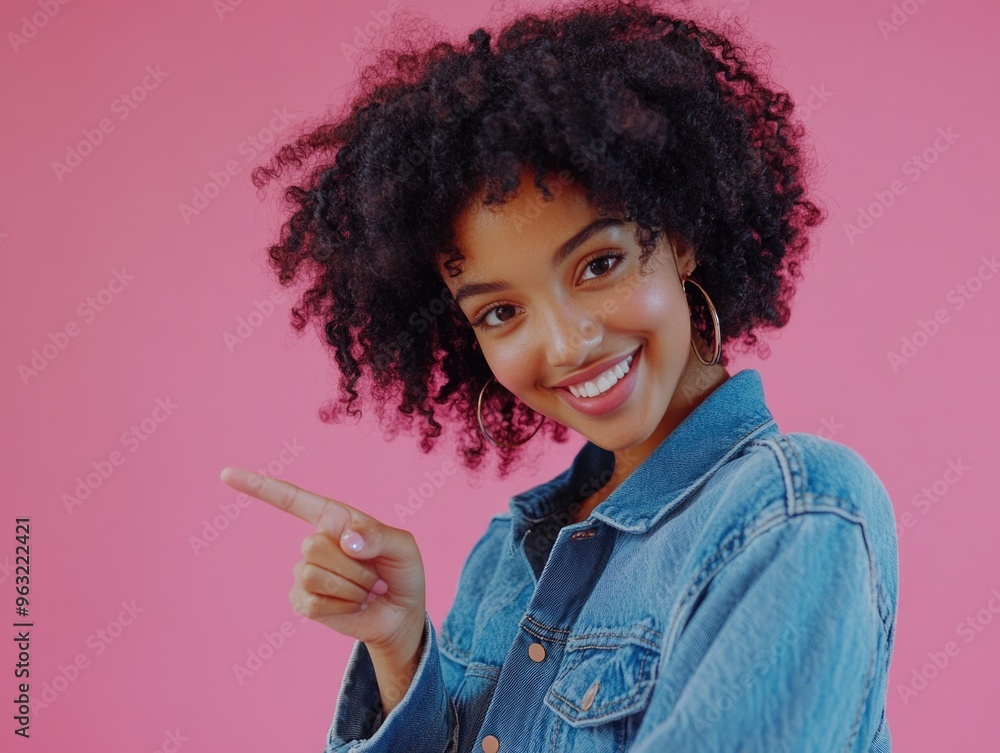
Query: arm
(424, 717)
(784, 652)
(423, 721)
(394, 671)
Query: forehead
(526, 223)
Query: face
(554, 290)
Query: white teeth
(602, 383)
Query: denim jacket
(737, 591)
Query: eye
(600, 262)
(481, 319)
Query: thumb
(362, 537)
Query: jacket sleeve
(784, 650)
(424, 721)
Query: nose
(570, 335)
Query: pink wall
(143, 384)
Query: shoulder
(783, 483)
(803, 473)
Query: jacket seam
(452, 745)
(453, 652)
(793, 472)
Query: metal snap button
(490, 744)
(536, 651)
(588, 699)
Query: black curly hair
(655, 117)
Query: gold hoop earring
(715, 323)
(479, 416)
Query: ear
(683, 257)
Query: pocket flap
(607, 673)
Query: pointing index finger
(324, 513)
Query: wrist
(404, 648)
(395, 666)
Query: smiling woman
(634, 114)
(588, 332)
(572, 229)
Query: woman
(568, 230)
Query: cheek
(656, 304)
(507, 362)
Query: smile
(603, 382)
(607, 392)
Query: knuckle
(311, 544)
(311, 577)
(331, 584)
(307, 604)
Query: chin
(617, 441)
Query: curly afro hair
(655, 117)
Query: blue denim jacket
(737, 591)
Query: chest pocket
(606, 676)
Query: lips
(595, 371)
(608, 401)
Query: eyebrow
(578, 239)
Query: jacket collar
(733, 414)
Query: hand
(333, 581)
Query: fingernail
(380, 587)
(353, 540)
(372, 596)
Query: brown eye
(602, 261)
(481, 319)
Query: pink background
(879, 98)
